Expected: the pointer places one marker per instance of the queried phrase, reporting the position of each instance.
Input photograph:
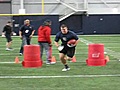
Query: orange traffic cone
(17, 59)
(107, 58)
(53, 59)
(73, 59)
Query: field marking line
(67, 76)
(109, 52)
(57, 62)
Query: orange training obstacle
(96, 55)
(32, 56)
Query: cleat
(20, 54)
(65, 69)
(9, 49)
(48, 63)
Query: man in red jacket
(44, 39)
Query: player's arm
(32, 33)
(77, 39)
(20, 31)
(3, 32)
(56, 40)
(4, 29)
(77, 42)
(20, 34)
(56, 44)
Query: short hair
(9, 22)
(47, 22)
(27, 20)
(63, 26)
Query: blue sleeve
(75, 36)
(57, 37)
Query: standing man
(44, 39)
(7, 31)
(26, 32)
(65, 35)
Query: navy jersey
(65, 37)
(26, 30)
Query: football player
(65, 35)
(7, 31)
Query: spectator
(44, 39)
(26, 33)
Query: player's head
(47, 23)
(64, 29)
(27, 22)
(9, 23)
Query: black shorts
(69, 51)
(8, 37)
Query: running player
(65, 35)
(7, 31)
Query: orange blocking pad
(32, 56)
(96, 55)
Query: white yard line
(67, 76)
(56, 61)
(109, 52)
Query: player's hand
(21, 37)
(50, 45)
(31, 36)
(3, 34)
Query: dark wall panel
(101, 24)
(80, 24)
(36, 21)
(74, 23)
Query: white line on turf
(110, 52)
(57, 62)
(68, 76)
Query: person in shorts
(65, 35)
(7, 31)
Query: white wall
(55, 7)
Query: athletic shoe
(8, 49)
(65, 69)
(20, 54)
(48, 63)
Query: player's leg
(47, 47)
(24, 42)
(28, 40)
(70, 53)
(63, 60)
(41, 49)
(9, 42)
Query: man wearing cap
(7, 31)
(44, 39)
(26, 32)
